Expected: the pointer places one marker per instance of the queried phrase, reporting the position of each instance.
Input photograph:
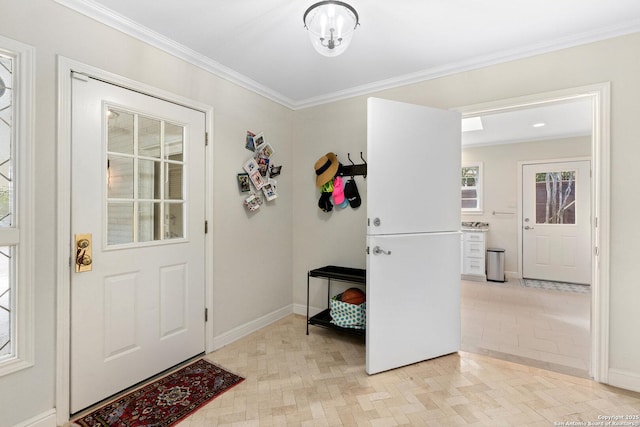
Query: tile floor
(543, 328)
(319, 380)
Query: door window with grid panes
(145, 167)
(556, 197)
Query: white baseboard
(624, 379)
(46, 419)
(301, 309)
(250, 327)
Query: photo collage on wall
(259, 173)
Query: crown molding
(475, 63)
(107, 17)
(114, 20)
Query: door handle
(526, 227)
(83, 253)
(378, 250)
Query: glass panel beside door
(144, 176)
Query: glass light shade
(331, 25)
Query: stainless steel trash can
(495, 264)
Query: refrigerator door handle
(378, 250)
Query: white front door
(138, 191)
(413, 209)
(556, 215)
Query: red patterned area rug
(165, 401)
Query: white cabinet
(473, 255)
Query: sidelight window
(16, 286)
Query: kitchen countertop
(475, 226)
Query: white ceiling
(262, 44)
(561, 120)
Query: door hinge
(206, 314)
(368, 222)
(596, 251)
(596, 222)
(206, 139)
(206, 227)
(367, 250)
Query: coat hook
(365, 163)
(352, 165)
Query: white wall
(252, 254)
(326, 238)
(500, 192)
(340, 125)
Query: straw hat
(326, 168)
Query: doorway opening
(592, 145)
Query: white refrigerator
(413, 234)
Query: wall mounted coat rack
(353, 169)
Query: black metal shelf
(343, 274)
(323, 319)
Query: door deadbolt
(83, 253)
(376, 222)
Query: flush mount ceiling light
(331, 25)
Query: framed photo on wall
(244, 182)
(252, 202)
(257, 179)
(274, 170)
(249, 144)
(263, 165)
(270, 191)
(265, 150)
(250, 166)
(258, 140)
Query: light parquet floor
(319, 380)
